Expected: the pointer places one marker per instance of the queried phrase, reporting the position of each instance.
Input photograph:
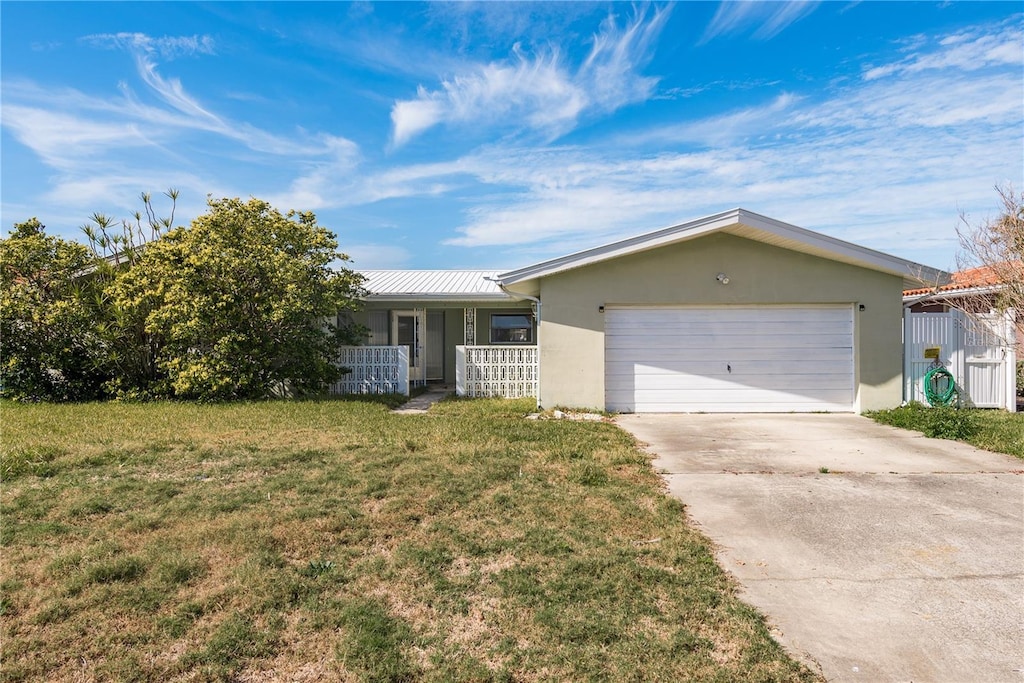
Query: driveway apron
(876, 553)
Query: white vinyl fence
(977, 349)
(375, 370)
(486, 371)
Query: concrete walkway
(903, 562)
(419, 405)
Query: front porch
(443, 327)
(481, 371)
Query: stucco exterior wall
(572, 325)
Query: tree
(998, 246)
(48, 307)
(241, 304)
(131, 350)
(121, 243)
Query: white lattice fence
(374, 370)
(508, 371)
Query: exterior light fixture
(722, 278)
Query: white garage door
(729, 359)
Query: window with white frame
(511, 328)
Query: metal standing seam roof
(454, 285)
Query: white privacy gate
(978, 349)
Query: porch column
(469, 315)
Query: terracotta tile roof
(972, 278)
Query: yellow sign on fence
(933, 352)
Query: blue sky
(496, 135)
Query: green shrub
(48, 313)
(951, 423)
(943, 422)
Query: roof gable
(741, 223)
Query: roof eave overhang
(742, 223)
(468, 298)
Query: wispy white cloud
(779, 20)
(918, 136)
(850, 185)
(768, 19)
(191, 113)
(609, 72)
(722, 128)
(539, 92)
(334, 184)
(114, 191)
(693, 91)
(969, 50)
(105, 148)
(62, 140)
(45, 46)
(171, 91)
(920, 144)
(327, 182)
(377, 256)
(468, 24)
(167, 47)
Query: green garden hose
(932, 380)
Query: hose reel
(939, 386)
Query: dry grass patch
(335, 540)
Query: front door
(408, 328)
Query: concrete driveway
(904, 562)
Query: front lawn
(993, 430)
(334, 540)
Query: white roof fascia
(439, 297)
(788, 236)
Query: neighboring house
(735, 312)
(973, 291)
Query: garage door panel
(755, 358)
(741, 407)
(842, 366)
(743, 341)
(661, 356)
(725, 314)
(745, 394)
(674, 327)
(794, 383)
